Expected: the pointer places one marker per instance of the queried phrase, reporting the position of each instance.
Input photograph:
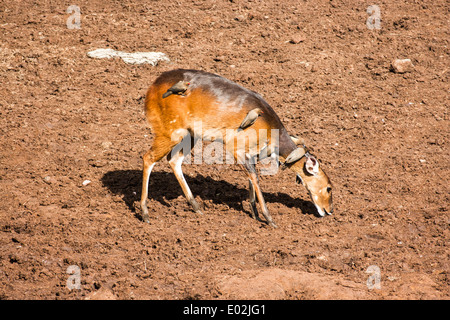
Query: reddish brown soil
(383, 138)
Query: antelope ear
(312, 165)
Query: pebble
(402, 65)
(106, 144)
(49, 180)
(86, 182)
(297, 38)
(240, 18)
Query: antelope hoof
(145, 218)
(144, 209)
(196, 207)
(273, 225)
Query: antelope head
(314, 179)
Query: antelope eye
(328, 189)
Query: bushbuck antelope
(220, 105)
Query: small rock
(86, 182)
(240, 18)
(402, 66)
(106, 144)
(297, 38)
(97, 163)
(49, 180)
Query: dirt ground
(382, 137)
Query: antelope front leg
(175, 162)
(148, 166)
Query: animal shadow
(164, 187)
